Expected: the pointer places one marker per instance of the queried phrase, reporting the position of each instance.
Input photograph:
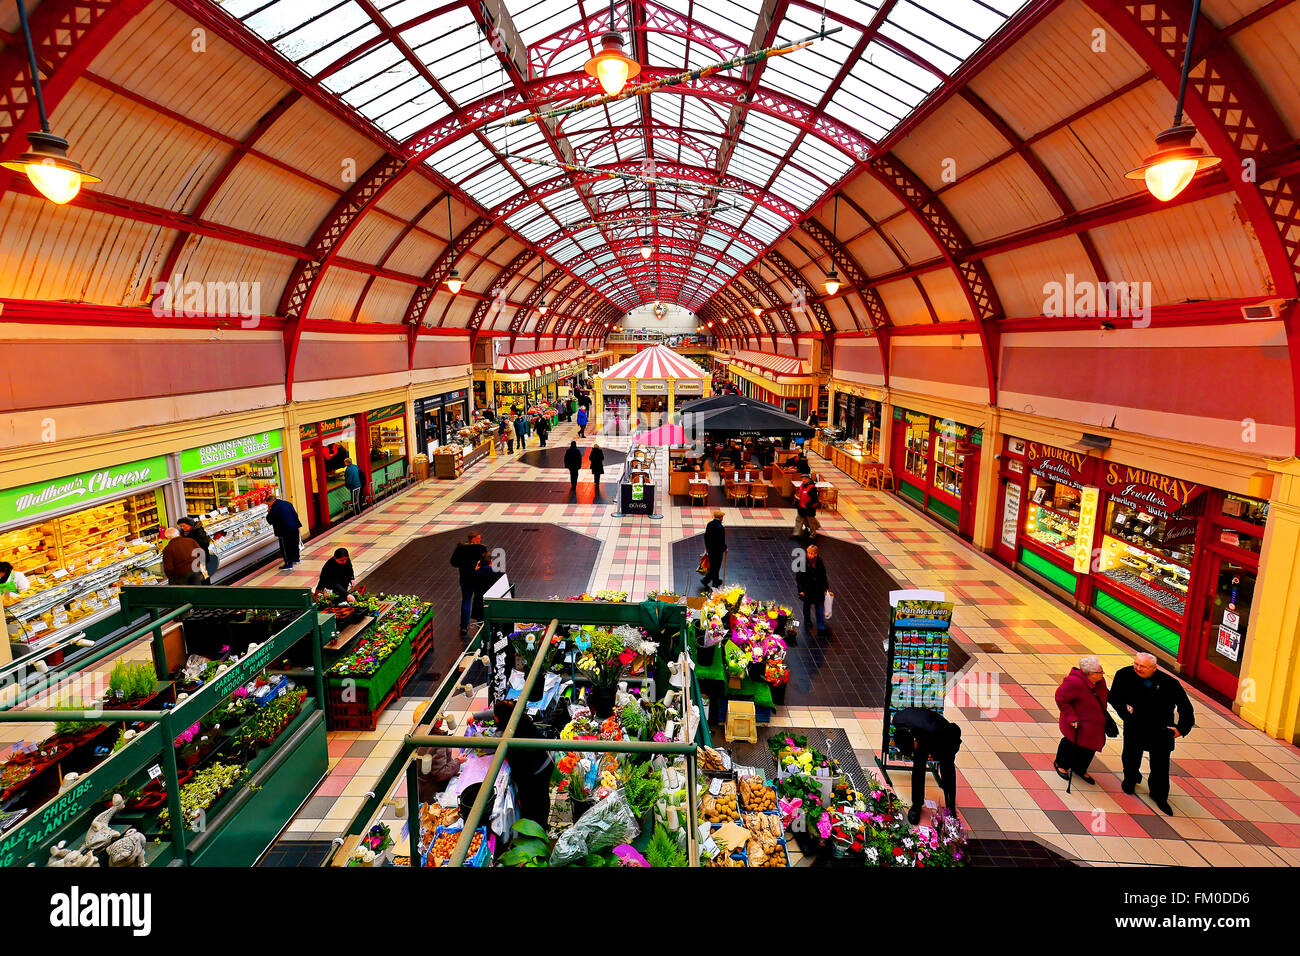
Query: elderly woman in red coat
(1084, 722)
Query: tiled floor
(1236, 791)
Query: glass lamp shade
(454, 283)
(1170, 169)
(46, 164)
(646, 250)
(543, 308)
(832, 283)
(611, 66)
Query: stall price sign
(1011, 516)
(1088, 498)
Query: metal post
(171, 778)
(502, 744)
(692, 823)
(161, 666)
(317, 660)
(413, 813)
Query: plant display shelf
(370, 695)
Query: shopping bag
(830, 600)
(703, 566)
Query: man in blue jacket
(352, 481)
(283, 519)
(582, 423)
(521, 431)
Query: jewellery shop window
(72, 566)
(1052, 518)
(1242, 523)
(1149, 554)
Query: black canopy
(741, 418)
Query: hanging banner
(44, 497)
(219, 454)
(1088, 499)
(1155, 494)
(1067, 468)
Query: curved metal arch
(742, 316)
(614, 135)
(560, 310)
(953, 244)
(897, 253)
(437, 274)
(796, 279)
(854, 274)
(762, 286)
(716, 88)
(534, 295)
(496, 292)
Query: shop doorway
(1221, 637)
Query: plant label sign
(155, 772)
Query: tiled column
(987, 501)
(1268, 694)
(597, 405)
(631, 388)
(672, 394)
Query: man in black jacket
(573, 462)
(921, 736)
(1145, 699)
(715, 546)
(813, 586)
(284, 521)
(467, 557)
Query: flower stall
(187, 759)
(376, 664)
(741, 651)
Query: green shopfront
(936, 466)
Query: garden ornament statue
(100, 834)
(128, 851)
(61, 856)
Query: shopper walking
(715, 546)
(192, 528)
(182, 560)
(284, 521)
(596, 462)
(352, 481)
(543, 429)
(573, 462)
(1084, 723)
(521, 431)
(468, 557)
(582, 423)
(921, 736)
(506, 434)
(1146, 698)
(806, 500)
(813, 588)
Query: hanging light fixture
(611, 66)
(647, 250)
(1169, 170)
(46, 164)
(832, 283)
(542, 307)
(454, 283)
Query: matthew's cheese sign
(61, 494)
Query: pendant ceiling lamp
(542, 307)
(832, 283)
(454, 283)
(647, 250)
(1169, 170)
(611, 66)
(757, 310)
(46, 164)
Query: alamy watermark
(241, 300)
(1130, 301)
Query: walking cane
(1069, 782)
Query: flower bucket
(602, 701)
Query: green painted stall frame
(655, 616)
(65, 817)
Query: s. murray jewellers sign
(45, 497)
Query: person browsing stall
(336, 574)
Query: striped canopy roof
(656, 362)
(530, 361)
(776, 364)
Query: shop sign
(383, 414)
(652, 388)
(1056, 464)
(1088, 499)
(615, 388)
(1015, 446)
(219, 454)
(307, 433)
(1011, 516)
(1155, 494)
(43, 497)
(332, 425)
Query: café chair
(699, 493)
(830, 498)
(736, 492)
(757, 493)
(887, 480)
(640, 477)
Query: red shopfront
(1167, 562)
(936, 463)
(325, 447)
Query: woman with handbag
(715, 546)
(1084, 723)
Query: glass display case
(229, 487)
(1052, 518)
(1149, 556)
(949, 462)
(916, 447)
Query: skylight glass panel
(703, 115)
(341, 47)
(537, 19)
(828, 161)
(797, 188)
(932, 36)
(345, 20)
(490, 187)
(564, 250)
(277, 19)
(666, 50)
(460, 158)
(732, 19)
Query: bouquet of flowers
(373, 846)
(583, 726)
(605, 662)
(737, 660)
(527, 642)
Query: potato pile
(711, 760)
(722, 808)
(764, 849)
(762, 823)
(756, 795)
(724, 859)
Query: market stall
(649, 382)
(326, 446)
(741, 652)
(438, 418)
(78, 540)
(386, 466)
(468, 445)
(195, 723)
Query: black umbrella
(744, 418)
(717, 401)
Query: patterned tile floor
(1236, 792)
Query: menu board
(917, 674)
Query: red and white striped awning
(778, 365)
(532, 361)
(656, 362)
